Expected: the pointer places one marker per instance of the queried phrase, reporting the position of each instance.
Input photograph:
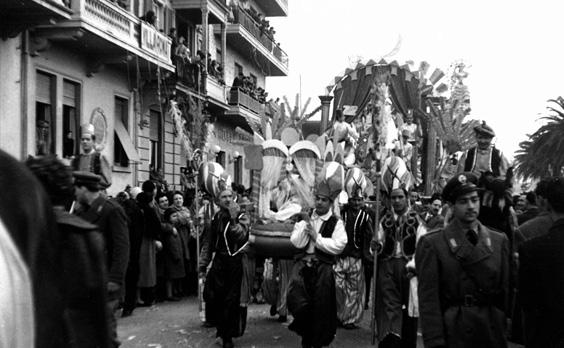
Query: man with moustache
(463, 272)
(227, 237)
(395, 242)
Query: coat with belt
(463, 288)
(541, 288)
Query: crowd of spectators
(248, 85)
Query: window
(221, 158)
(121, 115)
(238, 170)
(71, 121)
(218, 56)
(45, 113)
(238, 69)
(155, 140)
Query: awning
(126, 142)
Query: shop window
(45, 113)
(155, 132)
(71, 121)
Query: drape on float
(273, 160)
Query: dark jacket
(541, 286)
(535, 227)
(223, 237)
(463, 288)
(359, 228)
(84, 271)
(26, 212)
(110, 218)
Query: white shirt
(334, 245)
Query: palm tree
(543, 153)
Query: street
(177, 324)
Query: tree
(542, 154)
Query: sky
(514, 50)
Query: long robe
(222, 292)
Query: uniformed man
(463, 273)
(110, 218)
(91, 160)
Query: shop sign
(155, 42)
(229, 135)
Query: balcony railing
(110, 18)
(238, 97)
(189, 74)
(245, 19)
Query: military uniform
(463, 287)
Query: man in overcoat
(110, 218)
(541, 277)
(463, 273)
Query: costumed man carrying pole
(463, 272)
(395, 245)
(349, 273)
(311, 293)
(227, 237)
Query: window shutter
(43, 88)
(69, 94)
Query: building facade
(64, 63)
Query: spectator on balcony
(182, 58)
(150, 17)
(174, 44)
(238, 82)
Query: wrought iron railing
(243, 18)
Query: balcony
(18, 15)
(191, 10)
(241, 99)
(275, 8)
(245, 35)
(104, 30)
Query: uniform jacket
(463, 288)
(110, 218)
(541, 286)
(85, 277)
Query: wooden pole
(373, 326)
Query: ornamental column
(325, 106)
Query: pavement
(177, 324)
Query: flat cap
(484, 129)
(460, 184)
(82, 178)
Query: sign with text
(155, 42)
